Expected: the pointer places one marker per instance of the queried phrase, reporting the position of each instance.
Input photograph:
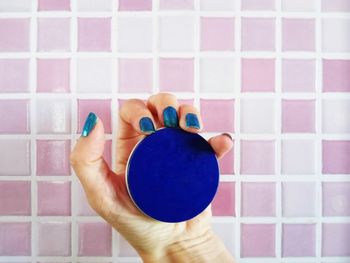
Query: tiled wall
(273, 73)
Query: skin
(106, 192)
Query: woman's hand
(106, 191)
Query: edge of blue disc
(172, 175)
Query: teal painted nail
(170, 117)
(146, 125)
(89, 124)
(192, 121)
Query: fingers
(221, 144)
(165, 107)
(190, 119)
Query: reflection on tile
(224, 200)
(14, 75)
(15, 198)
(217, 115)
(336, 240)
(336, 199)
(14, 116)
(15, 157)
(258, 240)
(14, 34)
(299, 240)
(15, 239)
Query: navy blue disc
(172, 175)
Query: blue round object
(172, 175)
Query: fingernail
(89, 124)
(146, 125)
(192, 121)
(228, 135)
(170, 117)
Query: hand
(107, 193)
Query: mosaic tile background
(273, 73)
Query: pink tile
(298, 34)
(298, 75)
(176, 4)
(54, 5)
(257, 157)
(94, 34)
(95, 239)
(53, 34)
(217, 115)
(54, 239)
(224, 200)
(258, 75)
(14, 34)
(258, 240)
(53, 75)
(83, 207)
(226, 164)
(258, 199)
(336, 75)
(128, 69)
(217, 33)
(336, 157)
(336, 199)
(102, 108)
(186, 101)
(15, 198)
(258, 5)
(258, 34)
(54, 198)
(53, 157)
(14, 157)
(135, 5)
(336, 240)
(336, 5)
(14, 75)
(176, 74)
(15, 239)
(298, 116)
(14, 116)
(298, 240)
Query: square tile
(226, 164)
(94, 5)
(176, 33)
(54, 198)
(14, 34)
(257, 116)
(94, 239)
(53, 116)
(336, 199)
(298, 5)
(217, 5)
(53, 157)
(258, 34)
(134, 34)
(217, 115)
(176, 74)
(94, 34)
(258, 5)
(336, 35)
(298, 75)
(226, 232)
(15, 239)
(298, 116)
(257, 240)
(217, 75)
(257, 157)
(223, 203)
(298, 34)
(14, 116)
(54, 239)
(15, 5)
(125, 249)
(54, 5)
(102, 108)
(217, 33)
(53, 34)
(335, 157)
(258, 199)
(298, 199)
(83, 207)
(298, 157)
(258, 75)
(335, 114)
(94, 75)
(135, 5)
(15, 198)
(298, 240)
(336, 240)
(128, 68)
(14, 75)
(53, 75)
(176, 4)
(15, 157)
(336, 75)
(335, 6)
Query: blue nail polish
(146, 125)
(89, 124)
(192, 121)
(170, 117)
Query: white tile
(94, 5)
(335, 116)
(336, 35)
(218, 5)
(14, 157)
(298, 5)
(226, 232)
(125, 249)
(15, 5)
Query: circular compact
(172, 175)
